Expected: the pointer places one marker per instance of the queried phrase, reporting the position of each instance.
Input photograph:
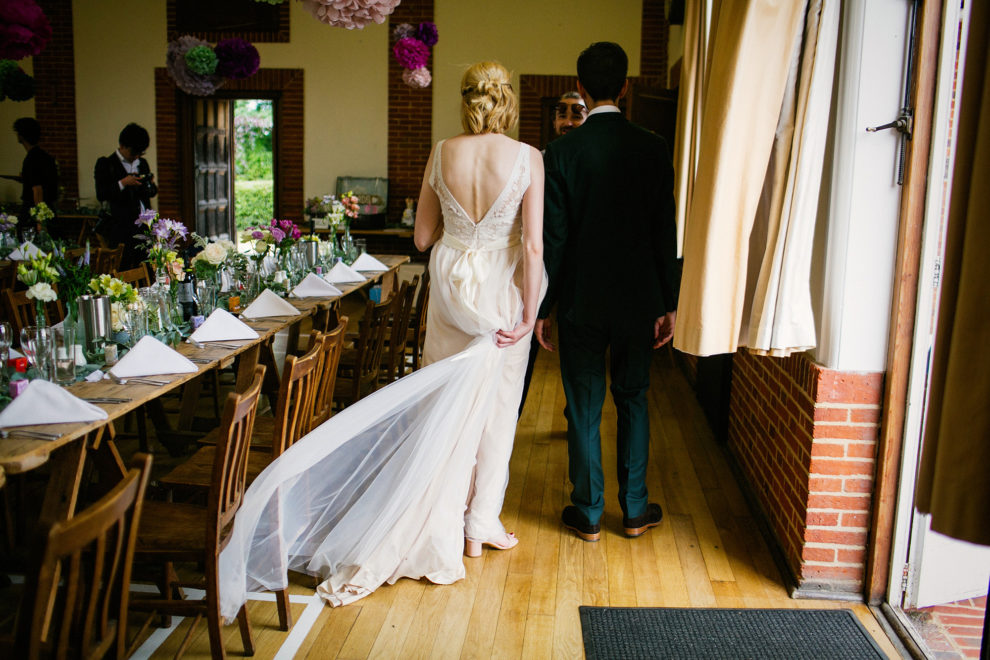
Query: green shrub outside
(254, 203)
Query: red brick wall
(55, 97)
(410, 118)
(805, 438)
(653, 42)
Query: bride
(403, 482)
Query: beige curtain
(954, 481)
(767, 89)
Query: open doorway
(254, 173)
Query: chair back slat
(85, 566)
(294, 409)
(230, 462)
(333, 346)
(107, 260)
(395, 366)
(417, 334)
(137, 277)
(20, 310)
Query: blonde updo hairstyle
(488, 102)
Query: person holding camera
(125, 184)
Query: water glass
(207, 294)
(37, 344)
(135, 321)
(64, 343)
(6, 339)
(28, 234)
(361, 245)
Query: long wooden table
(68, 454)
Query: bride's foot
(506, 541)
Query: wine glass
(36, 344)
(6, 338)
(28, 234)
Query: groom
(610, 251)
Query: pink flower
(296, 233)
(350, 14)
(277, 234)
(257, 235)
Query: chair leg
(245, 626)
(215, 630)
(284, 609)
(142, 429)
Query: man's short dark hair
(601, 68)
(135, 138)
(29, 129)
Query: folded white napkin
(47, 403)
(341, 273)
(314, 286)
(221, 325)
(269, 304)
(368, 262)
(150, 357)
(27, 250)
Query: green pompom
(201, 60)
(14, 83)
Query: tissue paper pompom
(201, 60)
(427, 33)
(187, 80)
(14, 83)
(350, 14)
(24, 29)
(418, 78)
(403, 30)
(411, 53)
(237, 59)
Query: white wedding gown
(384, 489)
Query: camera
(147, 186)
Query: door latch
(903, 124)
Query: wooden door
(212, 153)
(654, 108)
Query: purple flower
(147, 217)
(411, 53)
(257, 235)
(277, 234)
(237, 58)
(427, 33)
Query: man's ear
(625, 88)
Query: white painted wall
(857, 238)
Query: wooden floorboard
(523, 603)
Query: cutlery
(105, 399)
(213, 344)
(143, 381)
(37, 435)
(200, 360)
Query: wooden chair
(8, 275)
(416, 336)
(326, 379)
(82, 578)
(136, 277)
(20, 310)
(395, 343)
(357, 375)
(171, 532)
(107, 260)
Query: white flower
(42, 291)
(116, 312)
(227, 245)
(215, 253)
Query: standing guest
(124, 181)
(39, 172)
(569, 113)
(611, 255)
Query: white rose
(215, 253)
(116, 311)
(42, 291)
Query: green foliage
(253, 128)
(254, 203)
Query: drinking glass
(28, 234)
(64, 342)
(135, 322)
(207, 294)
(361, 245)
(6, 339)
(36, 342)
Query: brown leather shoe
(574, 520)
(638, 525)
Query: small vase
(40, 315)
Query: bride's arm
(532, 238)
(429, 222)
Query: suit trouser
(582, 367)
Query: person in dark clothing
(39, 172)
(125, 183)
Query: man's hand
(130, 180)
(543, 331)
(663, 329)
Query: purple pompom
(24, 29)
(411, 53)
(427, 33)
(237, 58)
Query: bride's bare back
(476, 169)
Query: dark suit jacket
(609, 235)
(125, 205)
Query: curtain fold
(689, 105)
(953, 483)
(746, 82)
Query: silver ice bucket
(312, 251)
(94, 315)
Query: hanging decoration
(14, 83)
(24, 29)
(350, 14)
(199, 70)
(412, 51)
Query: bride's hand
(506, 338)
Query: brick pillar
(55, 95)
(805, 437)
(410, 118)
(653, 42)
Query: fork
(143, 381)
(37, 435)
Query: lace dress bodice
(501, 226)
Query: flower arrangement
(412, 51)
(350, 14)
(161, 238)
(199, 69)
(350, 203)
(121, 296)
(24, 29)
(14, 83)
(319, 206)
(73, 277)
(8, 222)
(39, 274)
(208, 261)
(280, 234)
(41, 213)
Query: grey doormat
(683, 633)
